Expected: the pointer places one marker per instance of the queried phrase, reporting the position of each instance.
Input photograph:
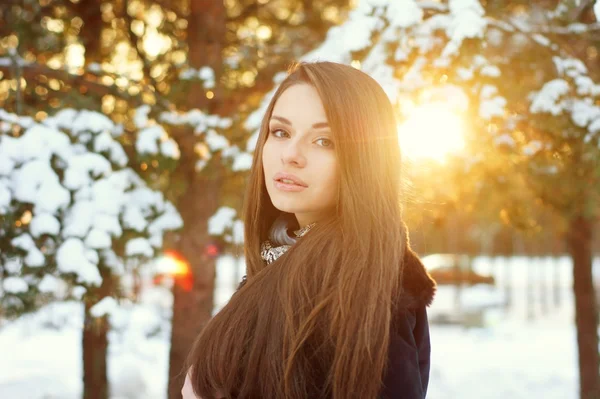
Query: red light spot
(212, 250)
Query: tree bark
(192, 308)
(95, 344)
(206, 36)
(579, 241)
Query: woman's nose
(293, 154)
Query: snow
(14, 285)
(5, 197)
(505, 139)
(541, 39)
(221, 220)
(253, 140)
(170, 149)
(532, 147)
(39, 142)
(242, 162)
(71, 258)
(47, 363)
(490, 108)
(148, 141)
(569, 66)
(169, 220)
(84, 168)
(583, 112)
(37, 174)
(35, 258)
(62, 119)
(104, 142)
(44, 223)
(50, 284)
(404, 14)
(383, 73)
(216, 141)
(78, 292)
(208, 76)
(594, 127)
(133, 218)
(98, 239)
(585, 86)
(23, 121)
(140, 117)
(522, 366)
(24, 242)
(205, 74)
(139, 246)
(6, 164)
(547, 99)
(90, 121)
(487, 91)
(355, 34)
(468, 22)
(196, 118)
(200, 164)
(490, 70)
(13, 266)
(108, 223)
(507, 357)
(78, 219)
(106, 306)
(238, 232)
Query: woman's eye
(278, 132)
(327, 142)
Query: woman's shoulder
(418, 287)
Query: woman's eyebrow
(317, 125)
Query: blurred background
(126, 134)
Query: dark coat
(407, 373)
(407, 376)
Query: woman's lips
(288, 187)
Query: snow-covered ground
(522, 351)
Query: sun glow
(172, 264)
(432, 130)
(173, 267)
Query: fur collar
(418, 288)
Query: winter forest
(127, 129)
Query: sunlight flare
(432, 130)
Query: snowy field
(524, 350)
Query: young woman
(334, 301)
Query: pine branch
(31, 70)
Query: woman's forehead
(300, 102)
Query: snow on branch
(71, 206)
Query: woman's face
(300, 147)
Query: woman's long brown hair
(316, 322)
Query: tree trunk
(192, 308)
(206, 36)
(579, 241)
(95, 343)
